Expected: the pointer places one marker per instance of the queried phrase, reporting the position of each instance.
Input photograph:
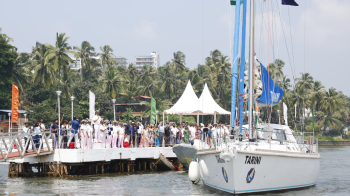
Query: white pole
(59, 118)
(279, 117)
(197, 118)
(163, 116)
(167, 117)
(215, 118)
(114, 100)
(9, 122)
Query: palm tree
(58, 55)
(213, 58)
(317, 94)
(131, 72)
(178, 62)
(167, 83)
(19, 72)
(112, 82)
(84, 53)
(306, 80)
(223, 67)
(106, 56)
(43, 73)
(275, 69)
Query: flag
(289, 2)
(91, 105)
(14, 103)
(233, 2)
(313, 118)
(153, 111)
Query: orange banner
(14, 103)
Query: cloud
(145, 30)
(326, 23)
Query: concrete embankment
(334, 143)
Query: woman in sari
(156, 134)
(145, 137)
(186, 135)
(178, 135)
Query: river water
(334, 179)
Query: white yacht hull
(269, 170)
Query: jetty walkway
(101, 160)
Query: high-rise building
(141, 61)
(76, 64)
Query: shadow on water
(334, 179)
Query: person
(139, 133)
(88, 132)
(103, 130)
(97, 121)
(128, 128)
(186, 135)
(205, 132)
(26, 131)
(166, 135)
(134, 135)
(64, 127)
(156, 135)
(54, 130)
(161, 133)
(82, 133)
(114, 134)
(109, 133)
(36, 138)
(74, 132)
(121, 135)
(151, 135)
(178, 135)
(145, 137)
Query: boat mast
(234, 69)
(251, 66)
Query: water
(334, 179)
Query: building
(139, 107)
(76, 64)
(118, 59)
(141, 61)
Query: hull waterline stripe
(255, 190)
(227, 190)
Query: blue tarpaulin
(270, 95)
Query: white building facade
(141, 61)
(122, 61)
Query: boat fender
(204, 169)
(196, 144)
(193, 172)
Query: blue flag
(289, 2)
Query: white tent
(208, 105)
(187, 104)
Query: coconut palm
(84, 53)
(58, 55)
(305, 80)
(178, 62)
(107, 57)
(275, 69)
(112, 82)
(43, 73)
(317, 94)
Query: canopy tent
(187, 104)
(208, 105)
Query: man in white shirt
(88, 132)
(193, 131)
(83, 134)
(96, 121)
(214, 134)
(121, 135)
(26, 131)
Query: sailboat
(258, 157)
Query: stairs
(168, 163)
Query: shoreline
(334, 143)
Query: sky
(313, 37)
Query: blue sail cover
(276, 93)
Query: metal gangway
(18, 145)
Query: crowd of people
(83, 134)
